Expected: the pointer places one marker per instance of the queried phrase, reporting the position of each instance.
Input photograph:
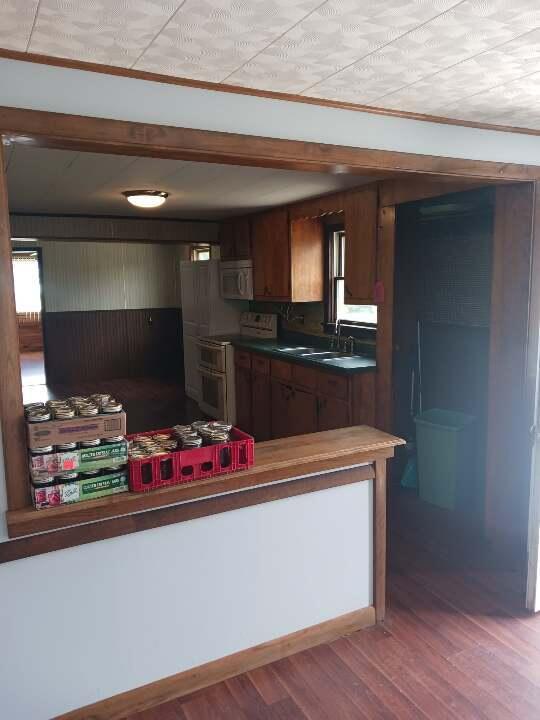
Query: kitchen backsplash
(306, 318)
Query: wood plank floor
(456, 646)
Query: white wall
(86, 623)
(41, 87)
(110, 276)
(93, 641)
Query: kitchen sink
(347, 361)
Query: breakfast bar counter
(239, 570)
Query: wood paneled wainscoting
(107, 344)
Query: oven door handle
(211, 373)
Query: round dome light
(146, 198)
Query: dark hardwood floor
(150, 403)
(456, 645)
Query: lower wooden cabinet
(243, 398)
(280, 399)
(333, 413)
(261, 406)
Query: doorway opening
(441, 356)
(27, 277)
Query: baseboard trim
(189, 681)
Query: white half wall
(42, 87)
(86, 623)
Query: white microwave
(236, 279)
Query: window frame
(359, 330)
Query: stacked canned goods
(97, 404)
(183, 437)
(68, 409)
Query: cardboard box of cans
(53, 494)
(79, 460)
(56, 432)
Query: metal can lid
(43, 450)
(88, 410)
(115, 468)
(64, 413)
(115, 439)
(67, 477)
(90, 443)
(45, 481)
(38, 416)
(112, 407)
(66, 446)
(90, 473)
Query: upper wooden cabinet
(360, 245)
(288, 259)
(235, 239)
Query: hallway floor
(150, 403)
(455, 646)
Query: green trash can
(445, 442)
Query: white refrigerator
(204, 312)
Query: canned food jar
(190, 443)
(65, 447)
(111, 407)
(90, 474)
(64, 413)
(112, 440)
(45, 481)
(90, 443)
(44, 450)
(89, 410)
(67, 477)
(38, 416)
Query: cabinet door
(226, 240)
(307, 260)
(271, 256)
(360, 246)
(242, 238)
(333, 413)
(243, 398)
(279, 398)
(302, 412)
(261, 404)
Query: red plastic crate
(183, 466)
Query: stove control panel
(262, 325)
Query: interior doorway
(28, 285)
(441, 359)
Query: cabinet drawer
(281, 370)
(305, 376)
(334, 385)
(260, 364)
(242, 359)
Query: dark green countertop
(346, 364)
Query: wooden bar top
(275, 460)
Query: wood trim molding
(176, 686)
(158, 517)
(385, 274)
(379, 540)
(240, 90)
(75, 132)
(11, 403)
(395, 192)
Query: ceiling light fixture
(146, 198)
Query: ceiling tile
(464, 31)
(338, 33)
(489, 69)
(104, 31)
(208, 39)
(16, 21)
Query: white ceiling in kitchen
(66, 182)
(475, 60)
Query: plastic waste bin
(446, 449)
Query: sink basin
(318, 353)
(296, 350)
(348, 361)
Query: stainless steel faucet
(349, 341)
(335, 344)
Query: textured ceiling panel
(464, 59)
(105, 31)
(16, 21)
(209, 39)
(337, 34)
